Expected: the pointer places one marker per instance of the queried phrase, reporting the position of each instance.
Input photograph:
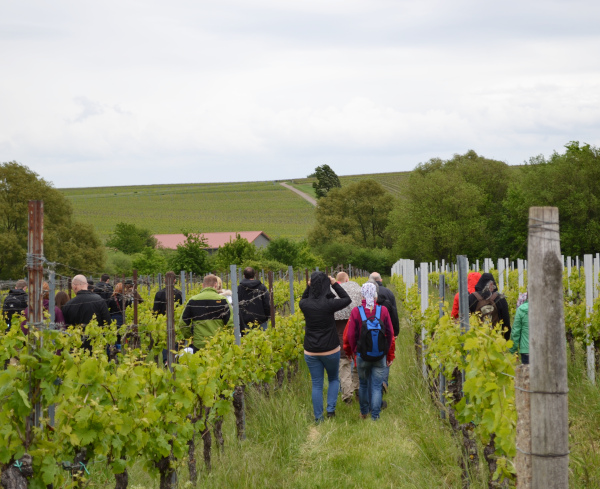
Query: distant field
(209, 207)
(254, 206)
(392, 182)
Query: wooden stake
(548, 350)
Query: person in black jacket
(84, 306)
(321, 341)
(15, 302)
(103, 288)
(486, 287)
(254, 301)
(385, 297)
(160, 300)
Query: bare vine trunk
(207, 441)
(166, 473)
(122, 480)
(240, 415)
(218, 432)
(15, 477)
(192, 460)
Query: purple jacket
(58, 316)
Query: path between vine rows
(305, 196)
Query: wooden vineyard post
(136, 337)
(35, 261)
(589, 305)
(548, 356)
(271, 299)
(238, 392)
(424, 289)
(170, 281)
(523, 403)
(442, 379)
(291, 279)
(182, 282)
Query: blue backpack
(372, 341)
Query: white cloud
(160, 92)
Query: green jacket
(204, 315)
(520, 330)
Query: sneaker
(348, 400)
(364, 416)
(331, 415)
(383, 405)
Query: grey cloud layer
(270, 89)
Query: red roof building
(215, 240)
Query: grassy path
(409, 447)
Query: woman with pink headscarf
(371, 370)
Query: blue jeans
(317, 364)
(370, 381)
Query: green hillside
(209, 207)
(254, 206)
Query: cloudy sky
(143, 92)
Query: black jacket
(254, 301)
(81, 308)
(104, 290)
(501, 304)
(14, 303)
(160, 300)
(319, 304)
(385, 297)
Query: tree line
(468, 205)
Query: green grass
(584, 425)
(409, 447)
(255, 206)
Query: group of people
(350, 334)
(486, 300)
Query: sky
(148, 92)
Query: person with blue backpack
(369, 338)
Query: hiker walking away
(103, 288)
(254, 301)
(15, 302)
(321, 341)
(385, 297)
(348, 374)
(84, 306)
(472, 280)
(520, 331)
(226, 292)
(160, 300)
(117, 303)
(59, 320)
(369, 338)
(205, 314)
(490, 304)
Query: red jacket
(472, 280)
(352, 332)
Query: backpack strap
(477, 296)
(378, 312)
(494, 296)
(361, 310)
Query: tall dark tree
(74, 245)
(326, 180)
